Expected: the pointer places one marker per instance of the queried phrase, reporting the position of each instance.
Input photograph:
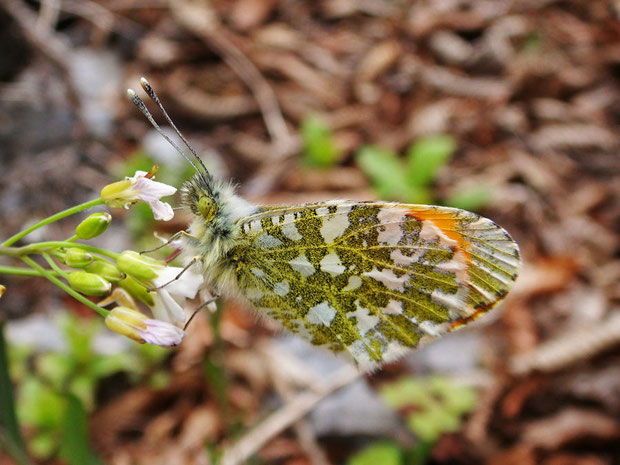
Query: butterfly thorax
(214, 231)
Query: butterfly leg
(185, 268)
(205, 304)
(173, 238)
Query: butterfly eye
(207, 207)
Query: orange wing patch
(447, 224)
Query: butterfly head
(200, 196)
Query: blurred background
(509, 108)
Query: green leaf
(405, 392)
(74, 445)
(39, 405)
(54, 367)
(386, 172)
(319, 148)
(457, 399)
(432, 422)
(471, 198)
(379, 453)
(426, 157)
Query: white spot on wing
(266, 241)
(432, 329)
(394, 307)
(365, 321)
(302, 265)
(258, 272)
(331, 264)
(450, 301)
(255, 226)
(359, 352)
(322, 313)
(290, 231)
(334, 226)
(282, 288)
(391, 220)
(322, 211)
(275, 220)
(401, 259)
(354, 283)
(389, 279)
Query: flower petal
(161, 210)
(167, 309)
(152, 190)
(161, 333)
(187, 285)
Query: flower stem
(54, 266)
(50, 219)
(19, 271)
(77, 296)
(42, 247)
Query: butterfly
(367, 279)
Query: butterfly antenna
(137, 101)
(151, 93)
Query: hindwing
(372, 279)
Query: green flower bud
(77, 258)
(93, 226)
(106, 270)
(139, 266)
(88, 283)
(137, 290)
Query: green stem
(54, 266)
(19, 271)
(77, 296)
(50, 219)
(8, 419)
(42, 247)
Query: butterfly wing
(373, 279)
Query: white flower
(169, 300)
(140, 187)
(137, 326)
(162, 333)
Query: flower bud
(93, 226)
(118, 194)
(88, 283)
(119, 296)
(106, 270)
(137, 326)
(139, 266)
(77, 258)
(137, 290)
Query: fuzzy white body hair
(211, 241)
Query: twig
(299, 406)
(302, 428)
(199, 18)
(569, 348)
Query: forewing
(373, 279)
